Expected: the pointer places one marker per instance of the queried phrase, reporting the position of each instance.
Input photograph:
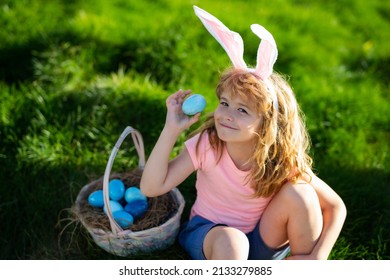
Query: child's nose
(229, 115)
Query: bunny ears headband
(232, 42)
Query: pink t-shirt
(222, 193)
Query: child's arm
(334, 213)
(161, 175)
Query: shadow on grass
(155, 57)
(366, 232)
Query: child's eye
(223, 103)
(242, 110)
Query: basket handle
(139, 146)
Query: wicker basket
(124, 242)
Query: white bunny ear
(267, 52)
(231, 41)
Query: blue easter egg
(95, 199)
(137, 208)
(116, 189)
(115, 206)
(123, 218)
(194, 104)
(134, 193)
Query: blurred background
(75, 73)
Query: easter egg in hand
(95, 199)
(137, 208)
(194, 104)
(123, 218)
(116, 189)
(134, 193)
(114, 205)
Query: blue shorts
(193, 233)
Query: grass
(74, 74)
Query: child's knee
(226, 243)
(305, 218)
(234, 238)
(295, 209)
(301, 197)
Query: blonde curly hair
(281, 149)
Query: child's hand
(176, 119)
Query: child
(257, 197)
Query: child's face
(236, 119)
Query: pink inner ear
(229, 40)
(265, 59)
(267, 52)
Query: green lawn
(74, 74)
